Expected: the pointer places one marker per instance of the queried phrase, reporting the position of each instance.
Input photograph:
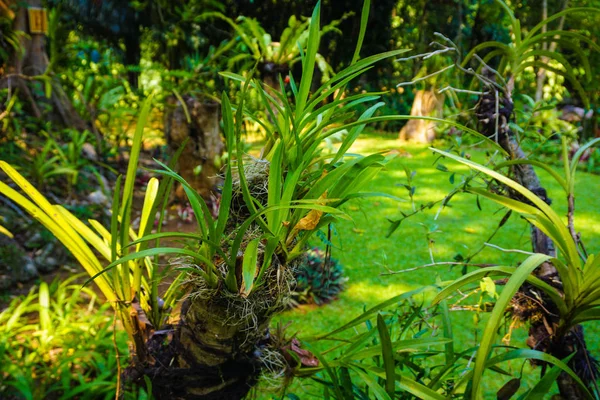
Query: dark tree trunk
(199, 163)
(218, 347)
(426, 104)
(132, 58)
(204, 356)
(34, 60)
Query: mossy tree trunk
(216, 348)
(202, 357)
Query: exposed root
(275, 370)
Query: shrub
(55, 343)
(319, 278)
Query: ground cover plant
(51, 354)
(465, 280)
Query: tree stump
(426, 104)
(200, 161)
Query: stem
(118, 357)
(570, 216)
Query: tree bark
(426, 103)
(199, 163)
(217, 348)
(30, 61)
(203, 356)
(34, 60)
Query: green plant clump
(319, 279)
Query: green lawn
(366, 253)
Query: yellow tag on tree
(38, 20)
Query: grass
(362, 247)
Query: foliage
(45, 349)
(45, 166)
(126, 282)
(576, 302)
(266, 218)
(525, 52)
(405, 348)
(300, 182)
(257, 45)
(319, 278)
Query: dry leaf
(311, 220)
(307, 359)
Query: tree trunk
(32, 62)
(219, 345)
(199, 163)
(426, 103)
(204, 356)
(541, 337)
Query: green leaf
(377, 390)
(543, 386)
(134, 153)
(560, 14)
(388, 356)
(274, 186)
(575, 161)
(447, 325)
(249, 266)
(364, 18)
(355, 132)
(489, 334)
(308, 63)
(409, 385)
(44, 310)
